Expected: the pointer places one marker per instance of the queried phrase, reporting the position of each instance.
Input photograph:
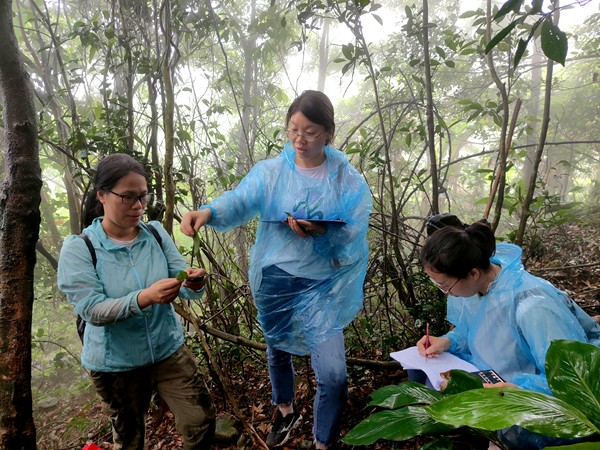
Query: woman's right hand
(436, 346)
(192, 221)
(162, 291)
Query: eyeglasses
(308, 137)
(445, 291)
(131, 199)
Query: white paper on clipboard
(433, 367)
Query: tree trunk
(20, 215)
(533, 109)
(499, 183)
(525, 207)
(168, 118)
(433, 167)
(323, 56)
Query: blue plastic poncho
(511, 327)
(333, 265)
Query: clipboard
(434, 367)
(326, 221)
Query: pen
(426, 344)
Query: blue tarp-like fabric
(510, 329)
(332, 266)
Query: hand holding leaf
(182, 275)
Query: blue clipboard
(326, 221)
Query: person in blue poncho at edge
(504, 318)
(308, 264)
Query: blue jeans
(517, 438)
(328, 361)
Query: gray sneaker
(282, 426)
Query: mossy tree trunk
(19, 230)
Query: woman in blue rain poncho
(504, 318)
(308, 264)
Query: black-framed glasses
(308, 137)
(130, 199)
(445, 291)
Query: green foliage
(554, 41)
(574, 412)
(575, 380)
(395, 425)
(405, 418)
(496, 408)
(96, 68)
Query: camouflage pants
(127, 395)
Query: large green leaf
(555, 44)
(443, 443)
(508, 6)
(501, 35)
(573, 369)
(580, 446)
(461, 381)
(396, 425)
(496, 408)
(520, 51)
(407, 393)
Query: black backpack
(80, 322)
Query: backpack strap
(154, 231)
(90, 247)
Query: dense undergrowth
(567, 255)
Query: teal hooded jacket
(119, 336)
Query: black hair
(439, 221)
(109, 171)
(455, 250)
(317, 108)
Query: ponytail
(92, 208)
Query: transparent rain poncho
(313, 286)
(510, 329)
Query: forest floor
(568, 256)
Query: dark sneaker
(282, 426)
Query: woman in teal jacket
(504, 317)
(308, 264)
(133, 341)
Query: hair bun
(439, 221)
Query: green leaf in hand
(182, 275)
(195, 248)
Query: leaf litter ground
(569, 258)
